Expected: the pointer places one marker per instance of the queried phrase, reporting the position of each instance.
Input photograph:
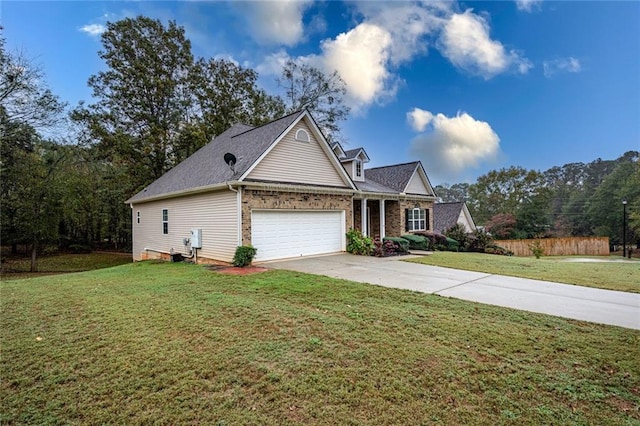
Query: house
(281, 188)
(446, 215)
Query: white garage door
(280, 234)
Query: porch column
(382, 234)
(363, 217)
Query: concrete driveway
(563, 300)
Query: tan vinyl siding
(216, 213)
(299, 162)
(416, 185)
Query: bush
(479, 240)
(244, 256)
(417, 242)
(384, 248)
(402, 245)
(459, 233)
(358, 243)
(434, 239)
(452, 245)
(494, 249)
(537, 249)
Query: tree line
(67, 171)
(575, 199)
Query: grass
(18, 267)
(621, 276)
(176, 344)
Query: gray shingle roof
(445, 215)
(350, 154)
(207, 167)
(371, 186)
(395, 177)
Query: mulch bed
(233, 270)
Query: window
(165, 221)
(138, 216)
(416, 219)
(358, 168)
(302, 135)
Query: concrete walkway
(563, 300)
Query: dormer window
(358, 168)
(302, 135)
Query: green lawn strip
(175, 343)
(621, 276)
(17, 268)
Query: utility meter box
(196, 238)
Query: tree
(24, 97)
(502, 225)
(514, 190)
(225, 94)
(142, 97)
(605, 209)
(452, 193)
(308, 87)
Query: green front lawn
(167, 343)
(621, 276)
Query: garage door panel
(281, 234)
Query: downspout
(238, 213)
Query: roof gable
(446, 215)
(407, 178)
(206, 167)
(291, 160)
(352, 154)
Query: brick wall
(260, 199)
(410, 204)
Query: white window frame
(358, 167)
(302, 135)
(418, 223)
(165, 221)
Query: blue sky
(466, 87)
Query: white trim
(413, 220)
(321, 140)
(363, 217)
(382, 220)
(306, 137)
(165, 221)
(425, 180)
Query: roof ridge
(394, 165)
(271, 122)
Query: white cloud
(451, 145)
(528, 5)
(466, 43)
(275, 22)
(360, 56)
(391, 34)
(93, 29)
(556, 66)
(419, 119)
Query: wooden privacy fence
(569, 246)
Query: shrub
(244, 256)
(494, 249)
(459, 233)
(417, 242)
(402, 245)
(358, 243)
(384, 248)
(479, 240)
(452, 245)
(537, 249)
(434, 239)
